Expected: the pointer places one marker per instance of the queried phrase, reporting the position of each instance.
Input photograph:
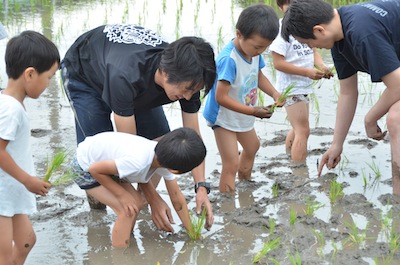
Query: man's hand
(331, 158)
(201, 202)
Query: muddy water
(273, 205)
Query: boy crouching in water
(109, 162)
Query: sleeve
(8, 122)
(343, 68)
(279, 45)
(372, 51)
(191, 106)
(226, 69)
(165, 173)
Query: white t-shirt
(14, 127)
(298, 54)
(132, 154)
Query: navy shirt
(371, 41)
(120, 62)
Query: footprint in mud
(364, 142)
(40, 133)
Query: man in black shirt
(129, 72)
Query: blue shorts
(92, 114)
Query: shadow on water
(282, 201)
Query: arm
(346, 108)
(223, 99)
(179, 202)
(190, 120)
(7, 163)
(160, 212)
(389, 96)
(102, 172)
(265, 85)
(283, 66)
(125, 124)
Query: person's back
(31, 61)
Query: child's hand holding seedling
(56, 165)
(327, 73)
(262, 112)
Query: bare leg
(24, 238)
(6, 240)
(393, 123)
(298, 117)
(123, 226)
(250, 144)
(289, 141)
(228, 149)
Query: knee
(392, 121)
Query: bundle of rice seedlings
(197, 225)
(285, 93)
(55, 165)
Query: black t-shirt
(371, 41)
(120, 62)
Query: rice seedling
(355, 235)
(312, 206)
(272, 225)
(375, 169)
(321, 241)
(285, 93)
(295, 259)
(394, 242)
(336, 191)
(55, 165)
(365, 180)
(292, 216)
(268, 247)
(335, 251)
(384, 260)
(197, 225)
(386, 224)
(275, 190)
(343, 163)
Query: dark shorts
(92, 114)
(84, 180)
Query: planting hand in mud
(262, 112)
(331, 158)
(209, 213)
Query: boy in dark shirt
(363, 37)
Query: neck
(15, 90)
(336, 25)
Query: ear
(29, 73)
(319, 30)
(238, 34)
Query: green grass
(268, 247)
(312, 206)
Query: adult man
(131, 72)
(363, 37)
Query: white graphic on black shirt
(132, 34)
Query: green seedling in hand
(285, 93)
(197, 225)
(56, 165)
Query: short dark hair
(258, 19)
(181, 149)
(30, 49)
(190, 59)
(302, 15)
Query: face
(253, 46)
(39, 82)
(177, 91)
(322, 39)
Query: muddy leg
(95, 204)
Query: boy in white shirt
(107, 163)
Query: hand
(262, 112)
(375, 132)
(129, 204)
(161, 215)
(314, 74)
(331, 158)
(37, 186)
(202, 201)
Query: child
(231, 106)
(362, 37)
(294, 63)
(31, 61)
(135, 159)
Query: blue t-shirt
(371, 41)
